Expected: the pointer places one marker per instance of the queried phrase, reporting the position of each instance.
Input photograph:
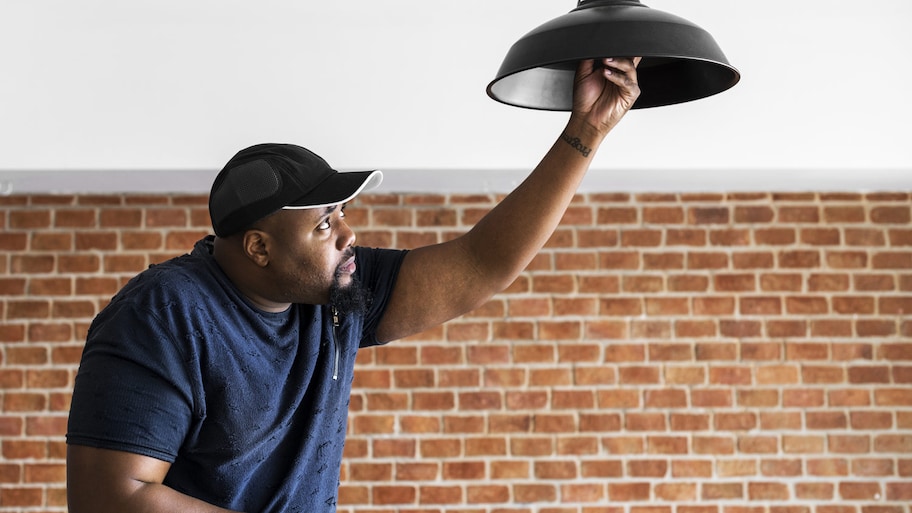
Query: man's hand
(604, 90)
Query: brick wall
(696, 353)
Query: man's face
(310, 254)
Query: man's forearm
(105, 481)
(512, 233)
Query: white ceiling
(170, 85)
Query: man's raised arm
(442, 281)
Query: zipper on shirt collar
(337, 350)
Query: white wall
(170, 85)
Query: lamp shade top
(680, 61)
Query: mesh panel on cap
(252, 182)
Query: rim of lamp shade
(680, 62)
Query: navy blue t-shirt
(242, 403)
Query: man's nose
(346, 236)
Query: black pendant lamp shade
(681, 62)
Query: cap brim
(338, 188)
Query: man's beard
(351, 299)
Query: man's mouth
(347, 266)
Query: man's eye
(323, 225)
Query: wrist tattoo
(576, 144)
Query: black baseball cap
(268, 177)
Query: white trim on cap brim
(372, 182)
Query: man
(219, 381)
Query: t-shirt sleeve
(132, 391)
(377, 270)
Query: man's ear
(255, 244)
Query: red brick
(643, 283)
(29, 219)
(740, 329)
(691, 468)
(690, 375)
(864, 237)
(24, 497)
(601, 284)
(859, 305)
(734, 421)
(758, 398)
(663, 215)
(814, 491)
(550, 377)
(892, 214)
(510, 423)
(685, 237)
(781, 282)
(641, 238)
(768, 491)
(873, 467)
(484, 494)
(555, 469)
(688, 283)
(850, 491)
(547, 423)
(769, 305)
(753, 260)
(780, 420)
(601, 468)
(583, 492)
(899, 491)
(620, 307)
(754, 214)
(875, 328)
(616, 215)
(722, 491)
(775, 236)
(806, 305)
(888, 305)
(811, 374)
(799, 259)
(619, 260)
(777, 374)
(429, 494)
(844, 214)
(757, 444)
(364, 424)
(828, 282)
(900, 237)
(828, 420)
(735, 282)
(847, 259)
(572, 399)
(598, 238)
(656, 197)
(730, 237)
(600, 422)
(577, 445)
(708, 215)
(711, 398)
(848, 444)
(874, 282)
(663, 261)
(532, 493)
(802, 444)
(392, 494)
(628, 492)
(799, 214)
(820, 236)
(511, 469)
